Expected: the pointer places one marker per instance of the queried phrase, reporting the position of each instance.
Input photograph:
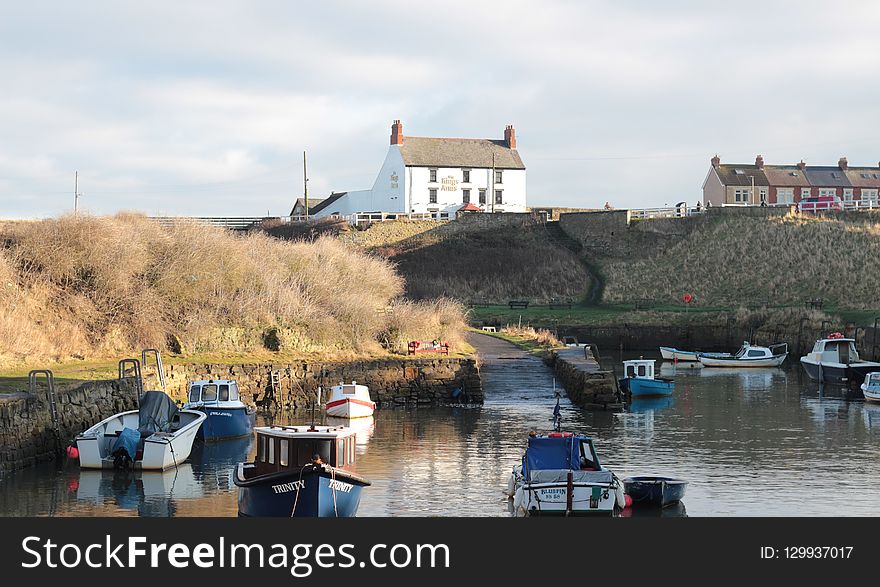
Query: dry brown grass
(441, 319)
(88, 286)
(743, 260)
(541, 336)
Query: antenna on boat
(557, 410)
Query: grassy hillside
(88, 287)
(488, 264)
(738, 261)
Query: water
(762, 442)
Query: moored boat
(156, 436)
(750, 356)
(639, 379)
(871, 386)
(674, 354)
(349, 400)
(835, 360)
(300, 471)
(654, 491)
(227, 416)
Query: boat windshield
(209, 392)
(853, 353)
(194, 392)
(589, 460)
(224, 392)
(349, 389)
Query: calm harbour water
(759, 442)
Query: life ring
(835, 335)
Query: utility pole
(306, 186)
(76, 193)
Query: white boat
(871, 386)
(156, 436)
(750, 356)
(349, 400)
(836, 360)
(673, 354)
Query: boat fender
(620, 496)
(518, 499)
(627, 501)
(511, 486)
(72, 452)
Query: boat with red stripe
(350, 400)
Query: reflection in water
(736, 437)
(675, 510)
(650, 404)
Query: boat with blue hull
(654, 491)
(301, 472)
(639, 379)
(227, 416)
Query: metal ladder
(160, 369)
(51, 396)
(135, 365)
(275, 380)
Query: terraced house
(438, 176)
(754, 184)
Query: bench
(523, 304)
(815, 304)
(489, 329)
(418, 346)
(479, 304)
(558, 304)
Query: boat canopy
(559, 452)
(156, 412)
(872, 379)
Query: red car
(816, 203)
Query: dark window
(482, 196)
(433, 173)
(194, 393)
(284, 454)
(224, 393)
(465, 196)
(432, 195)
(209, 393)
(497, 176)
(340, 454)
(466, 176)
(498, 197)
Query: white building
(434, 175)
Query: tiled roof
(863, 177)
(434, 152)
(325, 203)
(792, 175)
(741, 175)
(786, 176)
(827, 176)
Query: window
(433, 175)
(432, 195)
(498, 198)
(497, 176)
(827, 193)
(340, 453)
(465, 175)
(762, 194)
(224, 393)
(848, 194)
(630, 371)
(741, 196)
(641, 370)
(209, 393)
(482, 196)
(805, 192)
(739, 172)
(869, 196)
(194, 393)
(465, 196)
(261, 452)
(271, 459)
(233, 392)
(284, 453)
(754, 353)
(785, 195)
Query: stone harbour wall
(588, 386)
(27, 433)
(392, 382)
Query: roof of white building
(437, 152)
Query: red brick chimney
(843, 164)
(397, 133)
(716, 161)
(802, 165)
(759, 162)
(510, 136)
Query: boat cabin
(560, 451)
(280, 448)
(639, 369)
(835, 350)
(872, 381)
(747, 351)
(213, 391)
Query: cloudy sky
(205, 108)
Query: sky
(205, 108)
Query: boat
(300, 472)
(836, 360)
(349, 401)
(227, 416)
(561, 474)
(156, 436)
(639, 379)
(750, 356)
(871, 386)
(674, 354)
(654, 491)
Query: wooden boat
(349, 401)
(639, 379)
(300, 471)
(750, 356)
(560, 474)
(227, 416)
(674, 354)
(835, 360)
(156, 436)
(871, 386)
(654, 491)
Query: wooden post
(306, 186)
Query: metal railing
(676, 212)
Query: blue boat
(654, 491)
(638, 378)
(300, 472)
(227, 416)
